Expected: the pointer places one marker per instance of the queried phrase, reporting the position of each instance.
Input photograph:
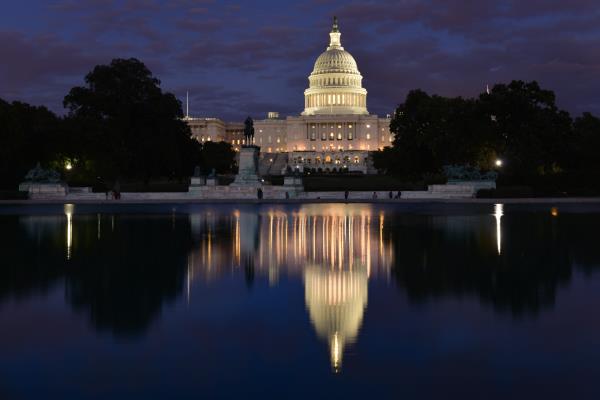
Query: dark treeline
(518, 123)
(119, 125)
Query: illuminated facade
(334, 132)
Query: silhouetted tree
(587, 143)
(518, 122)
(132, 128)
(217, 155)
(28, 135)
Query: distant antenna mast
(187, 104)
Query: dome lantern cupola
(334, 36)
(335, 84)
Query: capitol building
(334, 133)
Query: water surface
(344, 300)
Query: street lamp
(68, 166)
(498, 163)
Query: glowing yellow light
(69, 209)
(498, 163)
(498, 213)
(68, 166)
(554, 211)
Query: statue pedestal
(39, 190)
(198, 181)
(248, 167)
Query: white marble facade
(335, 129)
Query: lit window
(278, 140)
(349, 126)
(339, 126)
(368, 136)
(339, 136)
(368, 126)
(331, 136)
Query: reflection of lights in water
(498, 213)
(339, 236)
(554, 211)
(69, 209)
(329, 244)
(237, 239)
(336, 300)
(336, 354)
(98, 228)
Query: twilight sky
(241, 58)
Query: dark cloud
(36, 66)
(249, 58)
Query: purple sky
(249, 57)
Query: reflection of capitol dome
(336, 300)
(335, 85)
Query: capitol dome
(335, 61)
(335, 84)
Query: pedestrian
(374, 195)
(391, 195)
(117, 190)
(346, 194)
(287, 195)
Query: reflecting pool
(295, 301)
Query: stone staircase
(275, 167)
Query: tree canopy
(518, 123)
(28, 135)
(131, 127)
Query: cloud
(259, 55)
(37, 66)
